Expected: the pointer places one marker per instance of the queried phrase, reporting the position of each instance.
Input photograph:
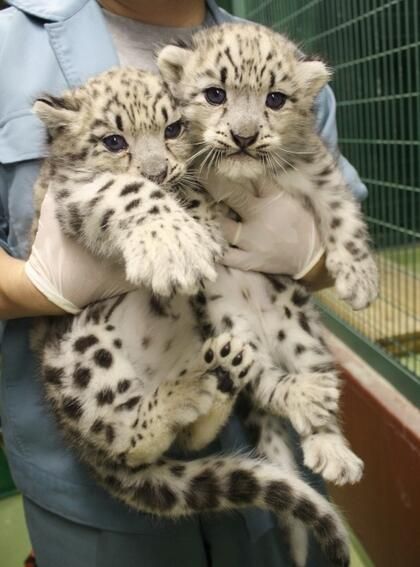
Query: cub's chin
(240, 166)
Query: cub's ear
(56, 111)
(171, 62)
(313, 75)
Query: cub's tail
(176, 488)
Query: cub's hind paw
(231, 360)
(328, 455)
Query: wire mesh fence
(374, 48)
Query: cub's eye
(215, 96)
(275, 100)
(173, 130)
(115, 143)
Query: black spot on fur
(109, 433)
(242, 487)
(324, 527)
(336, 222)
(75, 218)
(129, 404)
(53, 375)
(227, 322)
(145, 342)
(158, 194)
(131, 188)
(203, 491)
(123, 386)
(132, 205)
(105, 397)
(72, 407)
(113, 482)
(287, 312)
(154, 210)
(299, 297)
(156, 498)
(103, 358)
(118, 122)
(105, 219)
(156, 306)
(306, 511)
(117, 343)
(82, 377)
(276, 282)
(304, 323)
(83, 343)
(352, 248)
(193, 204)
(106, 186)
(97, 426)
(281, 335)
(278, 495)
(299, 349)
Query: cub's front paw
(328, 455)
(311, 400)
(172, 260)
(356, 278)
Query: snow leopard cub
(248, 94)
(129, 375)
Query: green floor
(14, 540)
(15, 545)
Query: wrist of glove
(276, 235)
(67, 274)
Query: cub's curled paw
(356, 280)
(172, 258)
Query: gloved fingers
(237, 258)
(244, 203)
(231, 230)
(34, 272)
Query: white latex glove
(277, 234)
(66, 273)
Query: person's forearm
(18, 296)
(318, 277)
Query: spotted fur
(131, 375)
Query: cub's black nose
(159, 177)
(242, 141)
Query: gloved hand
(276, 235)
(66, 273)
